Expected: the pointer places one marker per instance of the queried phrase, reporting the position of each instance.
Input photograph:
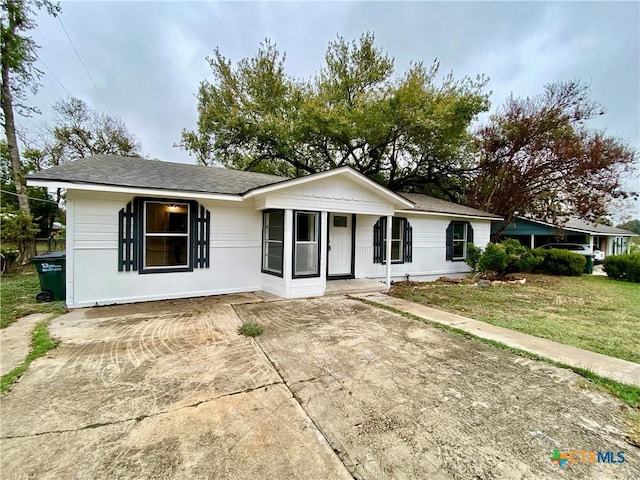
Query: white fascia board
(358, 177)
(133, 191)
(440, 214)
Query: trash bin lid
(50, 256)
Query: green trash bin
(588, 267)
(51, 271)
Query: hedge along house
(147, 230)
(535, 233)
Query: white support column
(388, 249)
(533, 241)
(591, 242)
(287, 251)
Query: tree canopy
(407, 131)
(539, 158)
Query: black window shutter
(379, 232)
(469, 233)
(202, 237)
(408, 242)
(449, 252)
(128, 238)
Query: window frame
(295, 242)
(402, 221)
(265, 240)
(142, 235)
(464, 241)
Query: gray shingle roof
(142, 173)
(578, 224)
(425, 203)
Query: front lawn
(590, 312)
(18, 297)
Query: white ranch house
(141, 230)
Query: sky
(147, 59)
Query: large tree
(406, 131)
(19, 76)
(538, 157)
(81, 132)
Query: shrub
(623, 267)
(494, 259)
(560, 262)
(473, 255)
(507, 257)
(9, 260)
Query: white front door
(340, 244)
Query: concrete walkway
(602, 365)
(15, 341)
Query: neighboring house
(534, 234)
(147, 230)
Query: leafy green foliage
(632, 226)
(473, 255)
(406, 131)
(508, 257)
(623, 267)
(561, 262)
(18, 228)
(250, 329)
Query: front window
(459, 240)
(273, 242)
(166, 235)
(306, 252)
(397, 234)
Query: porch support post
(388, 248)
(533, 241)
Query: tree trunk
(17, 170)
(12, 140)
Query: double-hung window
(166, 235)
(459, 235)
(273, 241)
(305, 246)
(163, 235)
(401, 240)
(397, 234)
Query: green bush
(494, 259)
(507, 257)
(473, 255)
(623, 267)
(560, 262)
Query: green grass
(627, 393)
(41, 343)
(18, 297)
(590, 312)
(251, 329)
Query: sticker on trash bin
(50, 267)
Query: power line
(54, 76)
(30, 198)
(84, 66)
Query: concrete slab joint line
(613, 368)
(298, 400)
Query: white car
(582, 249)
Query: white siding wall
(333, 194)
(92, 254)
(429, 247)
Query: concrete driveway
(334, 388)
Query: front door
(340, 249)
